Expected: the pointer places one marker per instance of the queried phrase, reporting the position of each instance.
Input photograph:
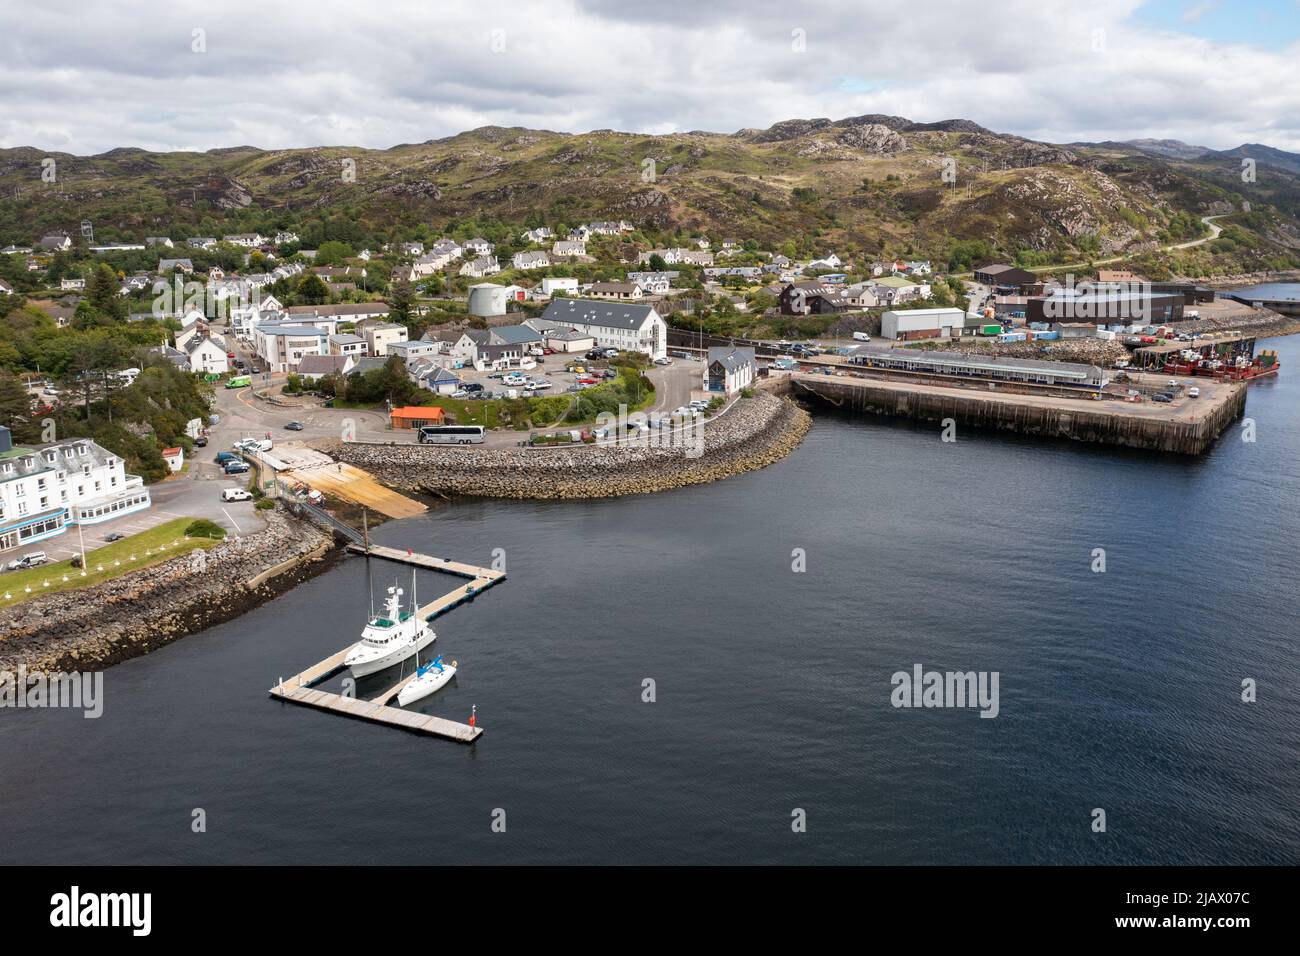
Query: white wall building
(729, 369)
(915, 323)
(283, 346)
(46, 488)
(631, 328)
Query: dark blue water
(1118, 691)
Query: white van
(862, 336)
(30, 560)
(236, 494)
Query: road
(243, 415)
(1208, 220)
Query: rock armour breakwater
(755, 433)
(97, 626)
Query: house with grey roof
(312, 367)
(619, 325)
(728, 369)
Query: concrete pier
(1187, 426)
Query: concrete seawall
(1107, 423)
(754, 433)
(94, 627)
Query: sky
(85, 77)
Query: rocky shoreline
(91, 628)
(94, 627)
(753, 434)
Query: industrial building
(992, 368)
(1004, 277)
(908, 324)
(1106, 307)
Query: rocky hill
(874, 183)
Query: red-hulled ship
(1238, 369)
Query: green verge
(146, 548)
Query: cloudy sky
(85, 77)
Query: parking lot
(554, 370)
(182, 497)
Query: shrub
(264, 504)
(203, 528)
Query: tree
(399, 301)
(104, 293)
(333, 253)
(312, 290)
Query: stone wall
(93, 627)
(754, 433)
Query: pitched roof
(611, 315)
(322, 364)
(516, 334)
(731, 357)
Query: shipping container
(990, 329)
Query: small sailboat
(390, 637)
(428, 678)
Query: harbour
(1103, 701)
(1187, 424)
(301, 688)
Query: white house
(530, 260)
(174, 458)
(569, 247)
(553, 284)
(44, 489)
(729, 369)
(620, 325)
(480, 267)
(206, 356)
(479, 246)
(249, 240)
(313, 367)
(540, 234)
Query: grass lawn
(148, 548)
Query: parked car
(224, 457)
(236, 494)
(1162, 397)
(201, 441)
(664, 361)
(236, 467)
(114, 536)
(1193, 392)
(30, 560)
(683, 411)
(293, 426)
(473, 387)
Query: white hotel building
(629, 328)
(45, 489)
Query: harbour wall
(90, 628)
(753, 433)
(1024, 415)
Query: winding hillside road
(1208, 220)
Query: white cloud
(88, 77)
